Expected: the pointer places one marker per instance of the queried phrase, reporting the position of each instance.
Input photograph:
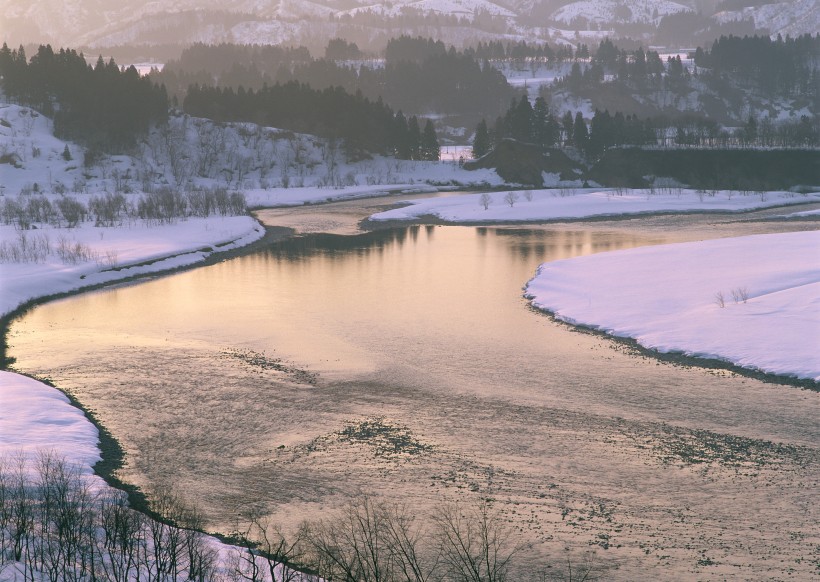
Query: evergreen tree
(580, 135)
(567, 124)
(67, 154)
(414, 137)
(481, 143)
(519, 122)
(543, 130)
(401, 137)
(430, 149)
(499, 131)
(750, 130)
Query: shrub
(108, 209)
(163, 205)
(26, 249)
(73, 211)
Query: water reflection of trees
(522, 244)
(542, 245)
(341, 246)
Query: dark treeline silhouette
(536, 124)
(101, 106)
(736, 79)
(688, 29)
(361, 124)
(497, 50)
(419, 75)
(228, 65)
(778, 67)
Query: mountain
(96, 24)
(791, 17)
(605, 12)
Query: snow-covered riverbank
(753, 301)
(567, 204)
(65, 260)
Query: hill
(95, 24)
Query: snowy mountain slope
(609, 11)
(195, 153)
(461, 8)
(792, 17)
(96, 23)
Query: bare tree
(511, 198)
(267, 553)
(476, 546)
(353, 546)
(485, 199)
(122, 535)
(416, 558)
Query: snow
(462, 8)
(790, 17)
(535, 76)
(117, 253)
(666, 298)
(562, 204)
(607, 11)
(35, 417)
(803, 214)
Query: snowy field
(563, 204)
(753, 301)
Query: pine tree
(580, 135)
(67, 154)
(401, 141)
(566, 122)
(541, 129)
(520, 120)
(414, 137)
(481, 142)
(430, 149)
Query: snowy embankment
(88, 255)
(278, 197)
(36, 417)
(571, 204)
(753, 301)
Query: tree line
(733, 78)
(333, 113)
(418, 75)
(102, 106)
(786, 67)
(107, 108)
(56, 526)
(536, 124)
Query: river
(405, 364)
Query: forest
(418, 75)
(103, 107)
(362, 125)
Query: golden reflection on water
(334, 304)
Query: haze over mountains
(99, 24)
